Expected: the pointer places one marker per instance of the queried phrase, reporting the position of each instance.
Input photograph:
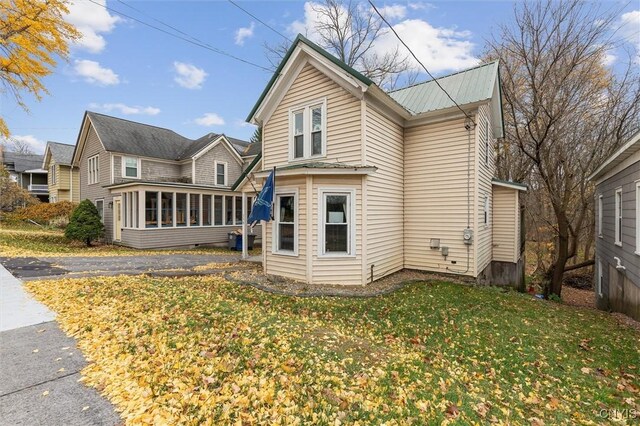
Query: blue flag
(262, 207)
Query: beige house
(370, 182)
(63, 179)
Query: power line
(191, 39)
(259, 20)
(418, 60)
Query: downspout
(468, 125)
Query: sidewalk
(40, 367)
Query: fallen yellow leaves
(201, 350)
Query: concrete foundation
(504, 274)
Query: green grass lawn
(201, 350)
(30, 240)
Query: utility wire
(191, 40)
(418, 60)
(259, 20)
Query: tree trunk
(88, 241)
(556, 271)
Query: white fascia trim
(215, 143)
(509, 185)
(47, 154)
(312, 171)
(634, 139)
(299, 58)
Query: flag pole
(273, 196)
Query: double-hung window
(221, 173)
(130, 168)
(600, 210)
(286, 226)
(93, 175)
(52, 174)
(337, 223)
(308, 131)
(100, 207)
(618, 216)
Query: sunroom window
(307, 135)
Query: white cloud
(209, 119)
(126, 109)
(244, 33)
(94, 73)
(608, 59)
(36, 145)
(91, 20)
(440, 49)
(396, 11)
(420, 5)
(630, 26)
(189, 76)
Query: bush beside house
(85, 224)
(50, 214)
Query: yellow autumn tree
(32, 34)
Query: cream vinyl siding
(435, 188)
(336, 270)
(484, 187)
(505, 224)
(289, 266)
(61, 190)
(385, 195)
(343, 120)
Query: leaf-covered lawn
(201, 350)
(30, 241)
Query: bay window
(285, 240)
(307, 131)
(337, 222)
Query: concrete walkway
(40, 367)
(17, 307)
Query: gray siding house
(26, 170)
(617, 198)
(155, 188)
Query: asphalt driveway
(31, 268)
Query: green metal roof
(509, 182)
(302, 39)
(246, 172)
(468, 86)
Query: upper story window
(131, 167)
(308, 130)
(93, 170)
(52, 174)
(618, 239)
(221, 173)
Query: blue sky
(126, 69)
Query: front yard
(202, 350)
(32, 241)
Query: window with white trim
(637, 217)
(93, 174)
(130, 167)
(286, 240)
(486, 210)
(307, 132)
(600, 278)
(100, 207)
(337, 224)
(486, 142)
(600, 210)
(52, 173)
(618, 216)
(221, 173)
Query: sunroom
(156, 215)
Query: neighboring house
(617, 212)
(155, 188)
(26, 170)
(63, 178)
(370, 182)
